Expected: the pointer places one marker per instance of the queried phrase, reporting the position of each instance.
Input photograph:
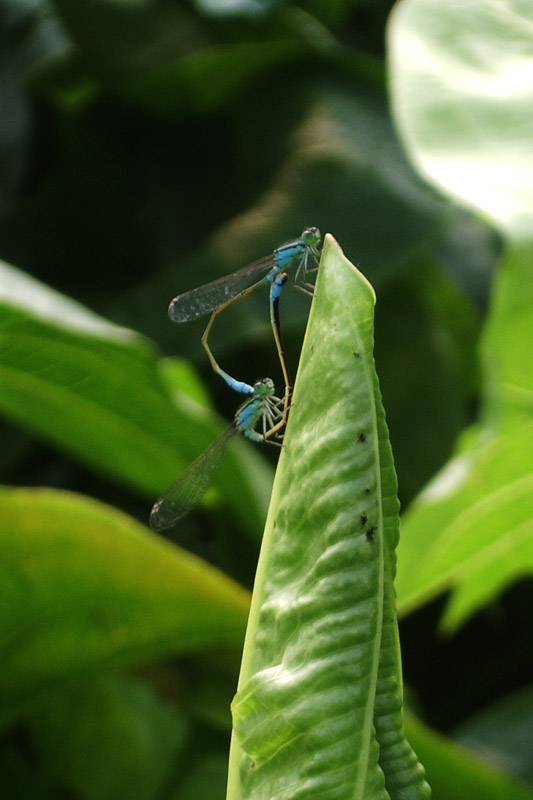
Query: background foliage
(146, 148)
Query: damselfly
(214, 297)
(187, 491)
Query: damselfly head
(264, 387)
(311, 237)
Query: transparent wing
(205, 299)
(187, 491)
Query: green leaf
(475, 521)
(456, 774)
(464, 118)
(461, 94)
(318, 708)
(468, 141)
(497, 733)
(98, 392)
(85, 588)
(107, 738)
(206, 778)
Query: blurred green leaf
(455, 774)
(472, 529)
(464, 120)
(107, 738)
(506, 359)
(20, 293)
(461, 91)
(207, 778)
(85, 588)
(498, 733)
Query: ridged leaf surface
(318, 709)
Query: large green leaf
(472, 529)
(462, 106)
(318, 709)
(98, 392)
(107, 738)
(85, 588)
(456, 774)
(497, 733)
(461, 91)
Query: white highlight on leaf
(452, 477)
(18, 289)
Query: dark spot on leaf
(362, 437)
(370, 533)
(364, 519)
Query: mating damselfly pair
(262, 406)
